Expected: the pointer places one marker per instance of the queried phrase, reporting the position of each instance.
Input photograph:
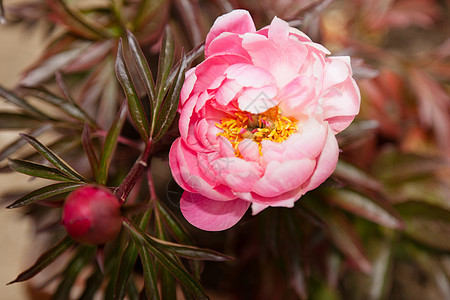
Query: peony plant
(258, 119)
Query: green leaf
(110, 145)
(70, 108)
(9, 120)
(11, 97)
(37, 170)
(134, 103)
(177, 230)
(44, 193)
(164, 65)
(167, 112)
(169, 263)
(45, 259)
(427, 224)
(365, 207)
(126, 265)
(188, 251)
(53, 158)
(142, 67)
(150, 278)
(127, 262)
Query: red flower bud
(91, 215)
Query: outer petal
(211, 215)
(326, 164)
(282, 177)
(308, 143)
(187, 171)
(340, 104)
(188, 85)
(237, 21)
(237, 173)
(227, 43)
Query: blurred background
(395, 156)
(18, 49)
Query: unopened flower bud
(91, 215)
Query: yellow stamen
(269, 125)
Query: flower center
(269, 125)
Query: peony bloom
(258, 120)
(91, 215)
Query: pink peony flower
(258, 120)
(91, 215)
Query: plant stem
(124, 189)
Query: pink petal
(248, 75)
(213, 67)
(237, 173)
(326, 164)
(298, 96)
(258, 100)
(307, 143)
(341, 100)
(227, 91)
(187, 170)
(286, 199)
(258, 207)
(188, 85)
(249, 149)
(211, 215)
(237, 21)
(185, 116)
(282, 177)
(283, 58)
(227, 43)
(338, 69)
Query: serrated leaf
(427, 224)
(37, 170)
(134, 103)
(11, 97)
(169, 263)
(366, 208)
(45, 259)
(142, 67)
(110, 145)
(9, 120)
(53, 158)
(44, 193)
